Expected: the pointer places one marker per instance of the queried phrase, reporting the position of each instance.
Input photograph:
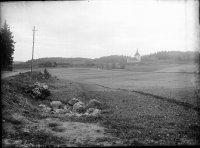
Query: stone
(47, 109)
(38, 90)
(61, 106)
(42, 106)
(69, 114)
(59, 111)
(92, 112)
(78, 107)
(94, 104)
(67, 110)
(95, 112)
(73, 101)
(56, 104)
(68, 107)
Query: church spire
(137, 53)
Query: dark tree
(7, 47)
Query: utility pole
(185, 25)
(33, 51)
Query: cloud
(101, 28)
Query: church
(136, 58)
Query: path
(5, 74)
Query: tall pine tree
(7, 47)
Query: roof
(137, 53)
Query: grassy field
(135, 118)
(174, 83)
(172, 80)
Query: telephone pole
(33, 51)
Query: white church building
(136, 58)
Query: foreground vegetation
(131, 118)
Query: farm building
(79, 63)
(136, 58)
(63, 64)
(48, 64)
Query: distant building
(136, 58)
(47, 64)
(63, 64)
(79, 63)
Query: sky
(92, 29)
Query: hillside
(111, 59)
(159, 56)
(172, 55)
(57, 60)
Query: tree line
(172, 55)
(7, 47)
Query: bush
(46, 74)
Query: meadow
(174, 83)
(135, 116)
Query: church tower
(137, 56)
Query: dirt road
(5, 74)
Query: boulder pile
(38, 90)
(74, 108)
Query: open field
(162, 65)
(134, 118)
(174, 81)
(173, 84)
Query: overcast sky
(92, 29)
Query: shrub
(46, 74)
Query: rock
(67, 110)
(68, 107)
(92, 112)
(78, 107)
(61, 106)
(59, 111)
(42, 106)
(38, 90)
(94, 104)
(96, 112)
(69, 114)
(77, 114)
(47, 109)
(73, 101)
(55, 104)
